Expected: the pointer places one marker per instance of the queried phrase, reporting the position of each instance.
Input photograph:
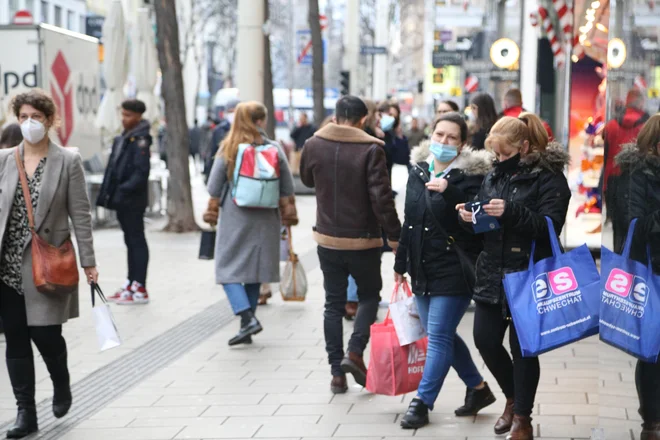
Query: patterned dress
(18, 230)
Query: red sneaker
(118, 294)
(137, 295)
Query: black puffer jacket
(422, 252)
(641, 177)
(533, 187)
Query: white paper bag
(405, 317)
(106, 330)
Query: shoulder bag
(466, 262)
(54, 269)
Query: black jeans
(647, 379)
(518, 379)
(132, 224)
(18, 335)
(364, 267)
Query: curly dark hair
(36, 98)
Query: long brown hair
(244, 130)
(514, 131)
(649, 137)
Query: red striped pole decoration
(549, 30)
(565, 15)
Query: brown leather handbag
(54, 269)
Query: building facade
(67, 14)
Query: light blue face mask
(386, 122)
(443, 153)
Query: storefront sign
(444, 58)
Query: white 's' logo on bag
(540, 287)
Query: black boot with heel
(21, 375)
(59, 374)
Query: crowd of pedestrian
(507, 161)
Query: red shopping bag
(394, 370)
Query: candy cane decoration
(557, 50)
(565, 18)
(578, 49)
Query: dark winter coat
(423, 251)
(353, 193)
(641, 175)
(301, 133)
(533, 187)
(126, 180)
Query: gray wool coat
(63, 196)
(247, 247)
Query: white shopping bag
(405, 316)
(106, 330)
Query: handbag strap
(26, 188)
(629, 239)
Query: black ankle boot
(417, 415)
(476, 400)
(59, 374)
(249, 326)
(21, 375)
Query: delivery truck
(63, 63)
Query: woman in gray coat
(247, 250)
(56, 183)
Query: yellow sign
(438, 76)
(654, 92)
(456, 91)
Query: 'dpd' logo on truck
(63, 97)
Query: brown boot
(338, 385)
(651, 431)
(521, 429)
(351, 310)
(503, 424)
(354, 365)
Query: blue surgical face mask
(386, 122)
(443, 153)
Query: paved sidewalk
(278, 388)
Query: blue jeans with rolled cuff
(242, 297)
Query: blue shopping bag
(556, 301)
(630, 303)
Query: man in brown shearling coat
(348, 169)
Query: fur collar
(630, 159)
(555, 158)
(473, 163)
(346, 135)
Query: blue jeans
(242, 297)
(352, 290)
(440, 316)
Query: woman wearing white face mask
(397, 150)
(56, 184)
(444, 174)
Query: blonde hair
(244, 130)
(515, 131)
(649, 136)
